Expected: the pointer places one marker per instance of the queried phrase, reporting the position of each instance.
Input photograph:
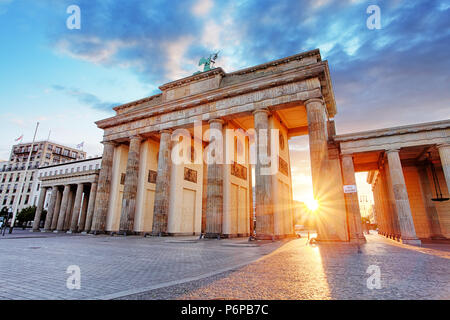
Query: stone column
(444, 153)
(162, 189)
(130, 188)
(56, 210)
(104, 187)
(263, 183)
(318, 145)
(83, 215)
(69, 211)
(76, 208)
(214, 188)
(51, 209)
(430, 208)
(90, 210)
(351, 199)
(204, 196)
(63, 208)
(401, 200)
(40, 207)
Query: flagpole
(22, 182)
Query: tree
(4, 212)
(26, 214)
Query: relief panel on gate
(152, 176)
(190, 175)
(283, 166)
(239, 171)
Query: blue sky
(67, 79)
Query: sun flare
(312, 204)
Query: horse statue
(208, 62)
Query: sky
(69, 78)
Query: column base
(213, 236)
(262, 236)
(125, 233)
(59, 231)
(159, 234)
(414, 242)
(360, 240)
(438, 237)
(97, 232)
(235, 235)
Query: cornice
(196, 77)
(285, 77)
(385, 132)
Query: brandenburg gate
(143, 190)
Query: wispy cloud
(380, 76)
(86, 98)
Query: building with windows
(67, 192)
(44, 153)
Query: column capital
(443, 145)
(110, 143)
(347, 155)
(216, 120)
(392, 150)
(169, 131)
(136, 137)
(314, 100)
(264, 110)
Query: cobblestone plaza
(34, 267)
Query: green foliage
(26, 214)
(4, 212)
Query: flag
(19, 138)
(81, 145)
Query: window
(122, 178)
